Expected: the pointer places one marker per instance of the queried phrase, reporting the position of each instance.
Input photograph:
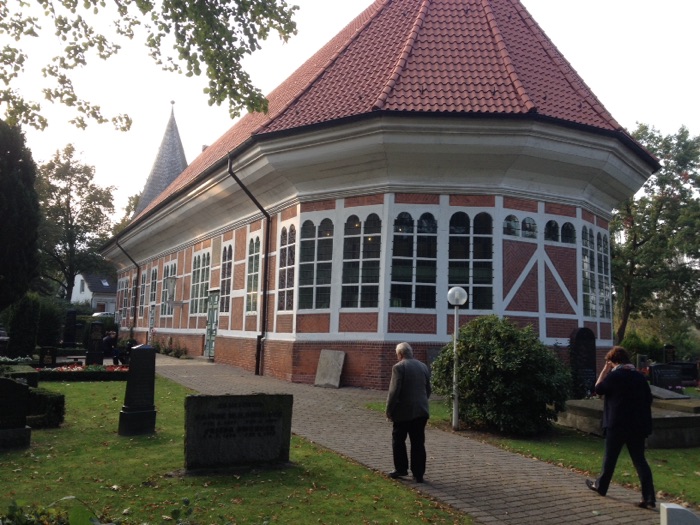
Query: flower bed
(84, 373)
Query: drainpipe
(136, 293)
(268, 221)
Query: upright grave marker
(582, 358)
(14, 404)
(138, 415)
(228, 431)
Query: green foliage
(75, 220)
(52, 314)
(18, 514)
(508, 381)
(19, 216)
(638, 344)
(654, 242)
(22, 326)
(211, 37)
(168, 347)
(47, 409)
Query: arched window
(604, 289)
(253, 279)
(361, 254)
(551, 231)
(511, 226)
(287, 257)
(481, 296)
(414, 262)
(226, 279)
(588, 272)
(200, 283)
(315, 265)
(529, 228)
(568, 233)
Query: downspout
(136, 294)
(263, 329)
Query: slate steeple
(170, 162)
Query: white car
(103, 314)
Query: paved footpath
(485, 482)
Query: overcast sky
(638, 56)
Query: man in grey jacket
(407, 407)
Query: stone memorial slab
(138, 415)
(229, 431)
(664, 393)
(666, 376)
(330, 368)
(14, 404)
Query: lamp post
(456, 296)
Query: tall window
(481, 296)
(166, 306)
(287, 258)
(252, 282)
(226, 278)
(459, 251)
(315, 265)
(142, 293)
(568, 233)
(414, 262)
(361, 254)
(200, 283)
(124, 291)
(604, 292)
(588, 272)
(154, 285)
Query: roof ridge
(403, 56)
(505, 55)
(377, 6)
(572, 77)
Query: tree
(213, 36)
(655, 247)
(129, 210)
(508, 381)
(19, 216)
(76, 219)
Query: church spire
(170, 162)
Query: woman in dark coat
(626, 421)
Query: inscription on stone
(231, 431)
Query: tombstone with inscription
(94, 354)
(138, 415)
(230, 431)
(14, 404)
(582, 361)
(666, 376)
(330, 368)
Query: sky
(638, 56)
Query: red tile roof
(472, 57)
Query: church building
(430, 144)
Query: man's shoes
(418, 479)
(646, 504)
(592, 485)
(394, 474)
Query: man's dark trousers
(415, 430)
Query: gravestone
(229, 431)
(330, 368)
(666, 376)
(582, 362)
(94, 354)
(689, 372)
(69, 329)
(138, 415)
(14, 404)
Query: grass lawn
(676, 471)
(139, 479)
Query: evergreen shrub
(47, 409)
(508, 380)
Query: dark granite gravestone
(69, 330)
(582, 361)
(138, 415)
(689, 372)
(14, 404)
(229, 431)
(94, 354)
(666, 376)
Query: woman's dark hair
(618, 355)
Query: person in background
(109, 344)
(407, 408)
(626, 421)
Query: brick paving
(490, 485)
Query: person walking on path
(626, 421)
(407, 408)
